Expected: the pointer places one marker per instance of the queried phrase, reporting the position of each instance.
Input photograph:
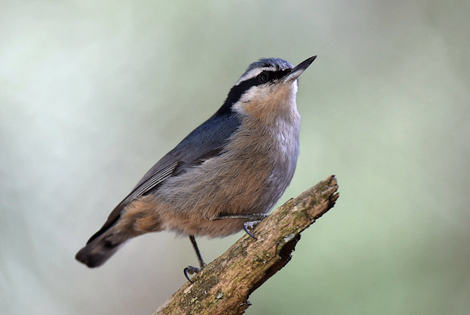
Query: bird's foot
(249, 226)
(190, 270)
(254, 218)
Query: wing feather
(203, 143)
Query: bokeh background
(92, 93)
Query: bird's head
(267, 87)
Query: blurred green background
(92, 93)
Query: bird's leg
(254, 219)
(190, 269)
(198, 253)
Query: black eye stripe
(270, 75)
(263, 77)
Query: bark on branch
(224, 285)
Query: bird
(223, 177)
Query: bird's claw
(250, 225)
(190, 270)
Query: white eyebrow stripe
(253, 73)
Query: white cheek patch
(246, 97)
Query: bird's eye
(263, 78)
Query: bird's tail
(100, 249)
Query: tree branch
(224, 285)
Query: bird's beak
(299, 69)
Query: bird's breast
(272, 152)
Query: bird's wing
(203, 143)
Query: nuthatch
(224, 176)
